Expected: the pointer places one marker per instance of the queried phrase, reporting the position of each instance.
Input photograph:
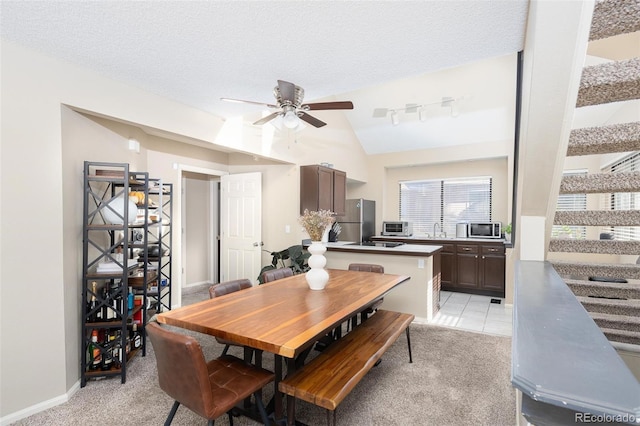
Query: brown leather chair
(367, 267)
(276, 274)
(209, 389)
(221, 289)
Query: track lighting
(448, 102)
(394, 118)
(422, 114)
(445, 102)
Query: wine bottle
(108, 314)
(95, 355)
(135, 336)
(92, 306)
(107, 358)
(116, 349)
(116, 299)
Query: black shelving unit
(161, 200)
(118, 235)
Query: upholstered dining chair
(366, 267)
(276, 274)
(223, 288)
(209, 389)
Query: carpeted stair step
(598, 218)
(608, 270)
(621, 307)
(572, 245)
(609, 82)
(586, 288)
(622, 336)
(600, 183)
(614, 17)
(605, 139)
(616, 322)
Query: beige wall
(42, 145)
(385, 171)
(197, 227)
(495, 168)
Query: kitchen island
(419, 296)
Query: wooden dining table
(284, 317)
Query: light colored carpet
(457, 378)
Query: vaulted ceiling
(378, 54)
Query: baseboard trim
(41, 406)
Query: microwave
(485, 230)
(397, 229)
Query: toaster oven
(397, 229)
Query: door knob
(258, 244)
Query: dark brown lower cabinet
(492, 268)
(448, 265)
(468, 266)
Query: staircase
(613, 299)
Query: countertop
(402, 250)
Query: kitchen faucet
(434, 229)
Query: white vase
(317, 277)
(117, 204)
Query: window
(445, 202)
(571, 202)
(624, 200)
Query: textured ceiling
(196, 52)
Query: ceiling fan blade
(311, 120)
(267, 118)
(248, 102)
(287, 91)
(329, 105)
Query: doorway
(200, 228)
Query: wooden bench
(327, 379)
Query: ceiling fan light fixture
(290, 119)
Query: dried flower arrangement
(316, 222)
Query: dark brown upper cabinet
(322, 188)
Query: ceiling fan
(289, 104)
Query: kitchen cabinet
(447, 265)
(322, 188)
(476, 267)
(492, 267)
(467, 266)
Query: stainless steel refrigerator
(359, 221)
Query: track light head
(394, 118)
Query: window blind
(624, 200)
(445, 202)
(571, 202)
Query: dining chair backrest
(366, 267)
(209, 389)
(276, 274)
(182, 369)
(228, 287)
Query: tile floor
(474, 313)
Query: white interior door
(241, 226)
